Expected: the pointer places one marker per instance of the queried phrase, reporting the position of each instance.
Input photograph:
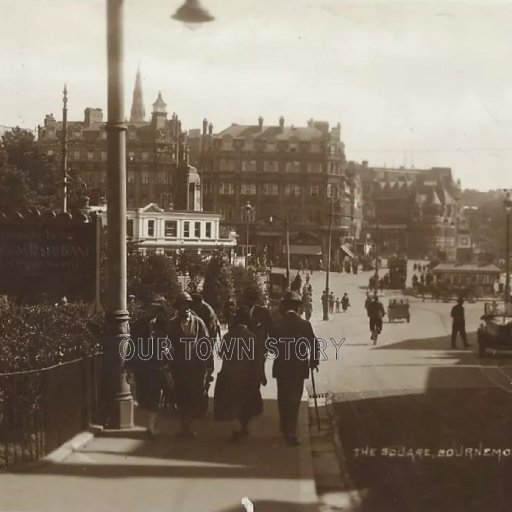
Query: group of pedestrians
(330, 301)
(182, 379)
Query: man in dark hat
(192, 363)
(297, 352)
(459, 323)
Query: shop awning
(306, 250)
(347, 251)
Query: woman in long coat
(237, 393)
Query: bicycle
(375, 334)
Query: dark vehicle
(496, 330)
(398, 309)
(397, 273)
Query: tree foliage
(244, 278)
(29, 178)
(192, 262)
(218, 282)
(153, 273)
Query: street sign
(53, 255)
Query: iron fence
(41, 409)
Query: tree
(32, 178)
(154, 273)
(218, 282)
(244, 278)
(192, 262)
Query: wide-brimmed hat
(181, 299)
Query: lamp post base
(120, 413)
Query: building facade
(153, 229)
(413, 212)
(267, 179)
(157, 156)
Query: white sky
(424, 82)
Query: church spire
(138, 113)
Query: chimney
(205, 126)
(210, 129)
(281, 123)
(260, 123)
(92, 116)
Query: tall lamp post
(327, 273)
(120, 404)
(377, 233)
(507, 204)
(64, 150)
(247, 209)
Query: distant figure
(331, 302)
(337, 304)
(459, 323)
(345, 302)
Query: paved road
(413, 391)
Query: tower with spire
(137, 113)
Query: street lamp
(120, 405)
(507, 204)
(376, 218)
(327, 273)
(247, 209)
(64, 150)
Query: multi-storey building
(412, 211)
(156, 154)
(261, 177)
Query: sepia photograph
(255, 256)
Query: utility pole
(287, 227)
(64, 150)
(329, 245)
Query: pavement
(169, 474)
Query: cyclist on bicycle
(376, 313)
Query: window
(103, 135)
(293, 147)
(145, 156)
(76, 155)
(170, 229)
(129, 227)
(162, 177)
(315, 147)
(103, 156)
(314, 190)
(145, 177)
(270, 166)
(132, 135)
(131, 177)
(226, 164)
(186, 229)
(292, 167)
(269, 189)
(227, 144)
(271, 145)
(131, 156)
(197, 230)
(315, 167)
(248, 165)
(226, 189)
(90, 155)
(151, 228)
(103, 176)
(292, 190)
(50, 152)
(248, 189)
(208, 229)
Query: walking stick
(314, 397)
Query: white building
(164, 231)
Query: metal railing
(42, 409)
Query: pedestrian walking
(207, 314)
(345, 302)
(192, 364)
(237, 390)
(337, 304)
(261, 324)
(296, 353)
(459, 323)
(228, 311)
(331, 302)
(145, 365)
